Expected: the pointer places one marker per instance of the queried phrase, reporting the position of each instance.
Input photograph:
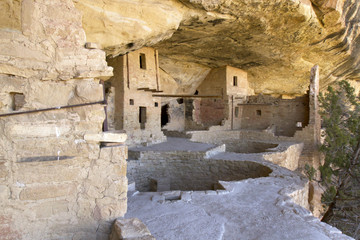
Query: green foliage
(329, 195)
(310, 171)
(340, 112)
(340, 173)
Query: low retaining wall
(286, 154)
(310, 152)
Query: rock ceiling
(276, 42)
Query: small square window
(235, 83)
(131, 101)
(156, 104)
(258, 112)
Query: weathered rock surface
(131, 228)
(277, 42)
(270, 207)
(46, 41)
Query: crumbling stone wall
(53, 183)
(209, 112)
(229, 87)
(175, 114)
(261, 112)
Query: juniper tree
(340, 173)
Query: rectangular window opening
(235, 82)
(156, 104)
(131, 102)
(142, 117)
(17, 100)
(258, 112)
(236, 112)
(142, 59)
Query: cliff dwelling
(174, 119)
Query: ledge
(110, 136)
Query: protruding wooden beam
(185, 96)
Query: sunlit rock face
(122, 25)
(276, 42)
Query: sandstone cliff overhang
(276, 42)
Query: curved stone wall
(192, 174)
(234, 145)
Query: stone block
(89, 91)
(39, 129)
(4, 193)
(85, 207)
(46, 172)
(114, 154)
(117, 188)
(91, 45)
(48, 209)
(47, 191)
(7, 228)
(3, 170)
(95, 192)
(110, 211)
(116, 137)
(131, 228)
(96, 54)
(103, 74)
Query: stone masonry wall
(133, 84)
(53, 183)
(309, 134)
(209, 112)
(283, 114)
(191, 174)
(290, 157)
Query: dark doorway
(164, 115)
(142, 59)
(142, 117)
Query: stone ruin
(72, 102)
